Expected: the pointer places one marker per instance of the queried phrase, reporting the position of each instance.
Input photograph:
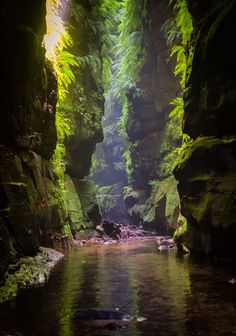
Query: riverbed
(177, 295)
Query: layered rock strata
(207, 168)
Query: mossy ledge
(28, 272)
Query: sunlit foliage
(54, 38)
(79, 107)
(178, 32)
(57, 41)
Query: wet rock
(29, 201)
(207, 189)
(111, 201)
(163, 248)
(77, 217)
(108, 319)
(28, 272)
(165, 243)
(87, 194)
(111, 229)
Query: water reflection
(178, 296)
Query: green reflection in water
(178, 285)
(110, 277)
(178, 296)
(71, 282)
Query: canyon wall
(148, 118)
(206, 169)
(32, 210)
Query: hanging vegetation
(73, 59)
(130, 55)
(57, 42)
(79, 48)
(177, 31)
(120, 56)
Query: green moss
(128, 165)
(163, 188)
(9, 290)
(127, 190)
(74, 206)
(181, 231)
(26, 276)
(87, 234)
(172, 201)
(205, 142)
(179, 237)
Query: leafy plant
(106, 200)
(57, 42)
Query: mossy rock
(87, 234)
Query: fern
(57, 42)
(129, 54)
(177, 31)
(130, 51)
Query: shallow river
(178, 296)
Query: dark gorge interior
(120, 111)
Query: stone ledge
(29, 272)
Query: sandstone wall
(207, 168)
(30, 212)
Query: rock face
(86, 93)
(157, 87)
(30, 210)
(29, 87)
(150, 109)
(207, 168)
(87, 192)
(87, 105)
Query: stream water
(178, 296)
